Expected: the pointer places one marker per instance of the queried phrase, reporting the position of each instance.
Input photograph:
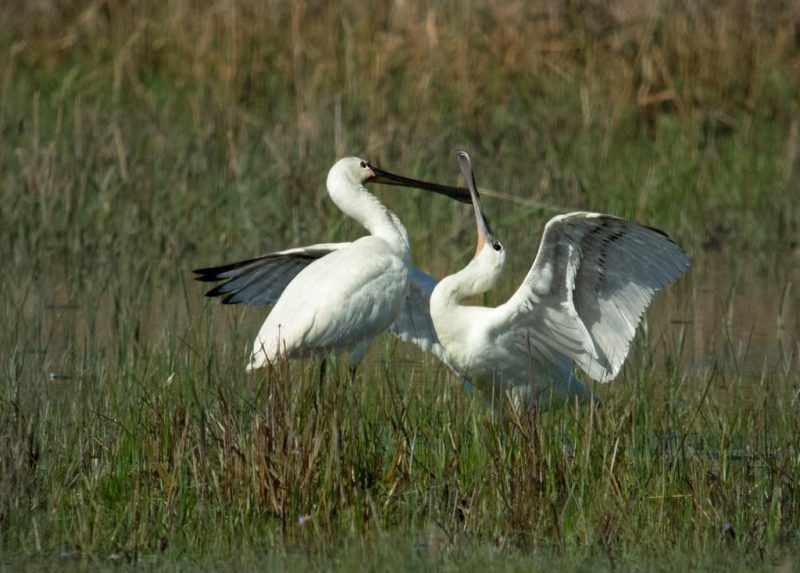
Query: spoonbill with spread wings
(581, 302)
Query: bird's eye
(364, 165)
(497, 246)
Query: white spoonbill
(338, 296)
(581, 301)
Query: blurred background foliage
(207, 125)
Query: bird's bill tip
(484, 231)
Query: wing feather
(262, 280)
(413, 323)
(592, 280)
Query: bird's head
(355, 171)
(489, 248)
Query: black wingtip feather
(209, 272)
(215, 292)
(245, 282)
(229, 299)
(218, 290)
(209, 278)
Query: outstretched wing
(262, 280)
(587, 290)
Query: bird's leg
(352, 371)
(323, 366)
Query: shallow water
(734, 318)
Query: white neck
(452, 320)
(357, 202)
(477, 277)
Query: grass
(142, 140)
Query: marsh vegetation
(143, 139)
